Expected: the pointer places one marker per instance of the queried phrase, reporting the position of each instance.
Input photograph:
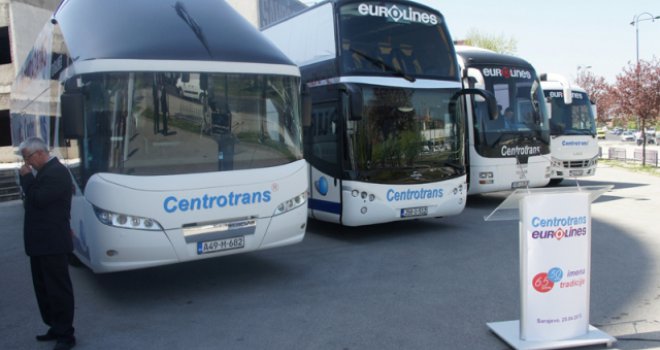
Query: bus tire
(555, 182)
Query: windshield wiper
(578, 132)
(456, 166)
(501, 134)
(380, 63)
(197, 30)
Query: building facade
(264, 12)
(20, 23)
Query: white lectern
(555, 268)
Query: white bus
(574, 141)
(159, 178)
(385, 140)
(512, 150)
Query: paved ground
(427, 284)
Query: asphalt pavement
(425, 284)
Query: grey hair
(33, 144)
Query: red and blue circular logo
(544, 281)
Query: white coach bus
(161, 178)
(574, 141)
(512, 150)
(386, 139)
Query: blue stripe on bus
(330, 207)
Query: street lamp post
(580, 68)
(635, 22)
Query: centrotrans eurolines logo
(396, 14)
(559, 227)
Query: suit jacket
(46, 229)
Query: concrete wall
(24, 18)
(248, 8)
(26, 21)
(4, 13)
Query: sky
(558, 36)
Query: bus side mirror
(565, 85)
(306, 108)
(355, 101)
(204, 82)
(73, 114)
(568, 94)
(487, 95)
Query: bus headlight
(291, 204)
(556, 163)
(126, 221)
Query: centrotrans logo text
(172, 204)
(559, 227)
(398, 15)
(409, 194)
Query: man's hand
(25, 169)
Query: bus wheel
(555, 182)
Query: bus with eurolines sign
(162, 178)
(511, 150)
(573, 134)
(386, 137)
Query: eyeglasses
(27, 158)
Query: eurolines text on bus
(171, 204)
(559, 94)
(396, 14)
(407, 195)
(507, 73)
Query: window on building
(5, 130)
(5, 52)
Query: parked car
(627, 136)
(650, 137)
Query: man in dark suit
(48, 241)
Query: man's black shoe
(65, 344)
(46, 337)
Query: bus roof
(475, 55)
(555, 85)
(195, 30)
(337, 3)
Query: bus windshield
(522, 117)
(179, 123)
(405, 136)
(574, 119)
(380, 38)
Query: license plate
(575, 172)
(416, 211)
(220, 245)
(519, 184)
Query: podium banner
(555, 266)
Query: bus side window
(324, 135)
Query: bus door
(322, 151)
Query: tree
(497, 43)
(598, 91)
(637, 92)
